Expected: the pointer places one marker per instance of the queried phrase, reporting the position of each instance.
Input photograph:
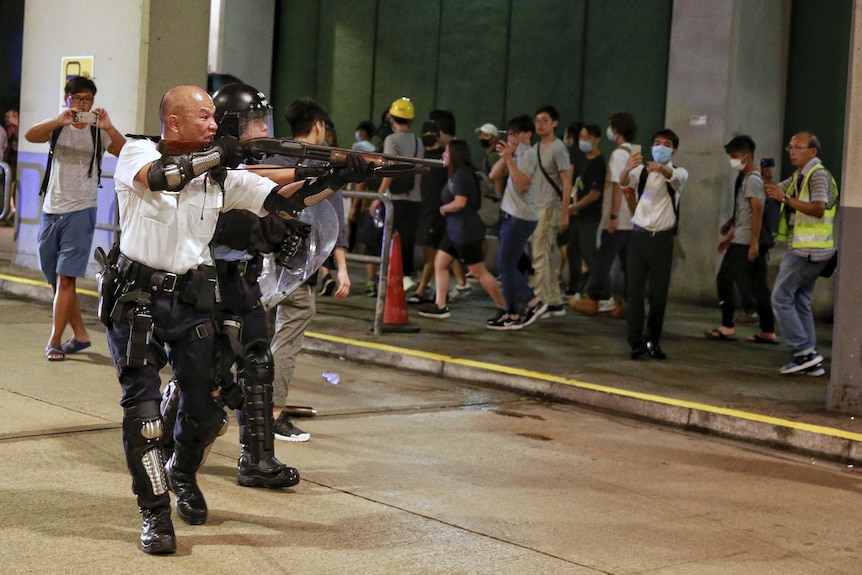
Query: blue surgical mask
(661, 154)
(585, 146)
(610, 134)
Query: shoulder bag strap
(547, 176)
(55, 135)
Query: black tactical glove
(356, 169)
(232, 151)
(292, 240)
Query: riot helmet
(242, 112)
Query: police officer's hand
(292, 240)
(232, 151)
(356, 170)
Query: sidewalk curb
(807, 439)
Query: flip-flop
(74, 346)
(54, 352)
(718, 336)
(757, 338)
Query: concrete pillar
(844, 392)
(240, 41)
(140, 49)
(726, 76)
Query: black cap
(430, 127)
(740, 144)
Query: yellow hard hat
(402, 108)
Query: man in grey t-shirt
(742, 252)
(406, 207)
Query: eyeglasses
(791, 148)
(542, 120)
(81, 99)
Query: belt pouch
(137, 351)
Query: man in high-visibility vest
(809, 199)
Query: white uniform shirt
(172, 231)
(655, 212)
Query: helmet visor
(256, 124)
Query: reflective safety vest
(808, 231)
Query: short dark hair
(444, 119)
(549, 110)
(460, 157)
(402, 121)
(522, 123)
(594, 130)
(623, 123)
(669, 134)
(741, 143)
(302, 114)
(367, 127)
(574, 128)
(77, 84)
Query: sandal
(74, 346)
(54, 352)
(718, 336)
(757, 338)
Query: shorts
(469, 253)
(64, 243)
(432, 228)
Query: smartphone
(86, 117)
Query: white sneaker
(609, 304)
(408, 282)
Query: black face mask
(484, 143)
(429, 141)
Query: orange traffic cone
(395, 310)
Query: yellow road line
(594, 387)
(38, 283)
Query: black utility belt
(197, 287)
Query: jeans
(791, 301)
(514, 233)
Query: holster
(107, 282)
(141, 320)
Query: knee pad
(257, 364)
(142, 433)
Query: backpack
(489, 208)
(770, 218)
(401, 185)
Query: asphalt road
(408, 473)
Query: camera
(767, 162)
(86, 117)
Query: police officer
(165, 293)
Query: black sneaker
(157, 531)
(431, 310)
(505, 322)
(533, 312)
(554, 311)
(285, 430)
(801, 363)
(500, 313)
(814, 370)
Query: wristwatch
(786, 200)
(613, 216)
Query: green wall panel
(295, 60)
(406, 55)
(545, 58)
(818, 60)
(628, 42)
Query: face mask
(610, 134)
(357, 136)
(736, 164)
(484, 143)
(661, 154)
(429, 141)
(585, 146)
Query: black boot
(266, 472)
(180, 471)
(157, 532)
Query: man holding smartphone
(78, 138)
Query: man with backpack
(650, 249)
(747, 238)
(78, 137)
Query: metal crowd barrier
(7, 190)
